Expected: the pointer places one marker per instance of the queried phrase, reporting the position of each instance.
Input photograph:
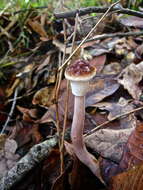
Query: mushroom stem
(80, 73)
(77, 136)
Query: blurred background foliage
(18, 4)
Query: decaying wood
(36, 154)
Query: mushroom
(79, 74)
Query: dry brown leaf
(132, 179)
(28, 114)
(47, 117)
(109, 143)
(61, 182)
(100, 89)
(98, 62)
(37, 27)
(131, 157)
(115, 108)
(44, 97)
(98, 49)
(130, 78)
(81, 178)
(133, 152)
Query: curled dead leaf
(44, 97)
(130, 78)
(37, 27)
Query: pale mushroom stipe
(79, 74)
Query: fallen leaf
(98, 62)
(131, 179)
(61, 183)
(109, 143)
(131, 157)
(100, 89)
(37, 27)
(29, 115)
(133, 152)
(82, 178)
(115, 108)
(98, 49)
(51, 170)
(132, 21)
(130, 78)
(44, 97)
(26, 133)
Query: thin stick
(56, 98)
(66, 103)
(100, 20)
(64, 128)
(11, 111)
(57, 86)
(114, 118)
(89, 10)
(105, 36)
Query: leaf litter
(32, 66)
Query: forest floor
(36, 102)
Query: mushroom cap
(80, 73)
(80, 70)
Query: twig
(58, 83)
(99, 21)
(114, 118)
(57, 87)
(11, 111)
(84, 11)
(64, 128)
(105, 36)
(66, 103)
(61, 72)
(36, 154)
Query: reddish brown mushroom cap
(80, 71)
